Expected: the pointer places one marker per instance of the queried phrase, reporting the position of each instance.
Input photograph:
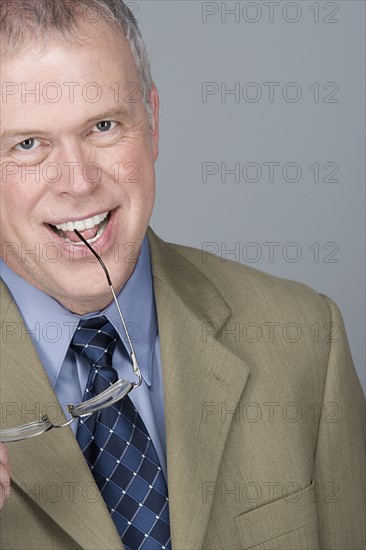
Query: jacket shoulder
(244, 285)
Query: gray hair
(21, 18)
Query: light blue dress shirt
(52, 327)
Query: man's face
(79, 148)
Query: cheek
(125, 160)
(10, 196)
(11, 223)
(21, 182)
(129, 175)
(19, 199)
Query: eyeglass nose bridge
(101, 401)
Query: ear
(155, 104)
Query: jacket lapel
(50, 468)
(201, 378)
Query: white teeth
(83, 224)
(101, 230)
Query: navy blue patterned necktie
(119, 450)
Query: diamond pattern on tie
(119, 450)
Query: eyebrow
(118, 113)
(114, 113)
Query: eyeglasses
(105, 399)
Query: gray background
(323, 44)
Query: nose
(78, 173)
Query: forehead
(97, 41)
(76, 78)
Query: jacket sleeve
(339, 472)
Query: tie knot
(95, 339)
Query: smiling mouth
(91, 229)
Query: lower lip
(76, 251)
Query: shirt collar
(51, 326)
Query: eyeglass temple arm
(136, 368)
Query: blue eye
(27, 145)
(106, 125)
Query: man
(257, 444)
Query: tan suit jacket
(264, 420)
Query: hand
(4, 475)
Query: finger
(4, 484)
(4, 457)
(4, 475)
(4, 495)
